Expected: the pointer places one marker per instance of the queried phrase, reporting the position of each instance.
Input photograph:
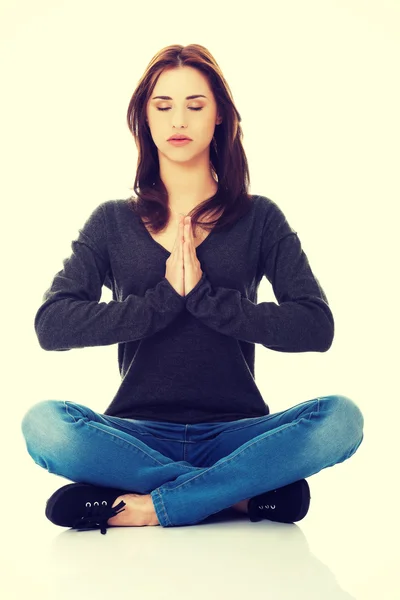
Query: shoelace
(96, 517)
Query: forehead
(180, 82)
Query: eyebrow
(187, 97)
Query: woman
(188, 433)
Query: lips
(179, 137)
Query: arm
(301, 322)
(71, 315)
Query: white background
(317, 87)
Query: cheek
(205, 132)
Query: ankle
(152, 511)
(242, 506)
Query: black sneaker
(285, 505)
(83, 506)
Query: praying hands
(183, 269)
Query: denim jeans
(192, 471)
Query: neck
(188, 184)
(181, 204)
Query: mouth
(179, 137)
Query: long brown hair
(227, 157)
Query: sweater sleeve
(71, 315)
(301, 322)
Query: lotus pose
(188, 433)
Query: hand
(192, 267)
(174, 273)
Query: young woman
(188, 433)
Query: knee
(348, 420)
(351, 413)
(39, 420)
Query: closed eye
(169, 108)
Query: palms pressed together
(192, 266)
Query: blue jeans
(192, 471)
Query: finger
(187, 233)
(190, 240)
(187, 239)
(174, 247)
(181, 237)
(178, 239)
(181, 244)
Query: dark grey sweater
(186, 359)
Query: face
(194, 117)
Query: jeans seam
(68, 413)
(159, 503)
(232, 456)
(131, 443)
